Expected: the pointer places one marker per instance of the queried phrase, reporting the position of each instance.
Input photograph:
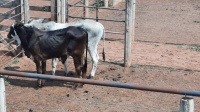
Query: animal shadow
(32, 82)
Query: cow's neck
(16, 36)
(23, 36)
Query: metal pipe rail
(101, 83)
(98, 19)
(98, 7)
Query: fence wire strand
(5, 3)
(12, 9)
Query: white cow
(95, 31)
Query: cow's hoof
(80, 85)
(77, 85)
(38, 87)
(43, 82)
(74, 86)
(90, 77)
(69, 74)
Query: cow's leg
(84, 66)
(95, 59)
(65, 65)
(43, 71)
(78, 68)
(39, 71)
(54, 64)
(64, 62)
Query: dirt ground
(164, 56)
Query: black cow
(42, 45)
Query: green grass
(152, 66)
(195, 48)
(15, 62)
(163, 67)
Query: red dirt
(162, 58)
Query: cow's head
(13, 32)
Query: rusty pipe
(101, 83)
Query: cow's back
(58, 42)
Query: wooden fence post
(58, 11)
(129, 31)
(18, 9)
(85, 9)
(67, 11)
(97, 10)
(53, 10)
(61, 11)
(26, 11)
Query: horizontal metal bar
(98, 7)
(101, 83)
(121, 33)
(98, 19)
(41, 8)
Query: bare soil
(163, 57)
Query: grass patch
(195, 48)
(153, 66)
(15, 62)
(166, 68)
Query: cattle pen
(164, 32)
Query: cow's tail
(86, 49)
(103, 52)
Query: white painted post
(105, 3)
(2, 95)
(187, 104)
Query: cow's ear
(40, 20)
(30, 20)
(19, 24)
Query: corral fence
(63, 10)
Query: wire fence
(8, 47)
